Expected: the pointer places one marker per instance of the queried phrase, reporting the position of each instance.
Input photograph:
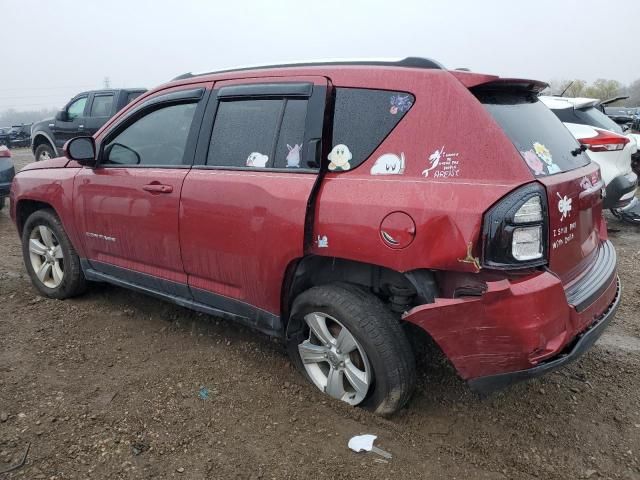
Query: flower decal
(534, 162)
(564, 206)
(400, 103)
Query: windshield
(543, 141)
(587, 116)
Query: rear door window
(587, 116)
(258, 133)
(101, 106)
(543, 141)
(362, 119)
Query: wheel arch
(26, 207)
(40, 138)
(399, 290)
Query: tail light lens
(605, 141)
(4, 152)
(516, 230)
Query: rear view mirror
(62, 116)
(82, 150)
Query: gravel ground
(109, 385)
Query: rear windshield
(587, 116)
(545, 144)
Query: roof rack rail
(408, 62)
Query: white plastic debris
(364, 443)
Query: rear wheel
(50, 259)
(351, 347)
(44, 151)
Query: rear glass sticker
(340, 157)
(535, 164)
(564, 206)
(323, 241)
(544, 154)
(389, 164)
(293, 157)
(257, 159)
(442, 164)
(400, 103)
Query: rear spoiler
(482, 81)
(614, 99)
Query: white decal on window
(389, 164)
(293, 157)
(339, 157)
(256, 159)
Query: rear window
(362, 119)
(587, 116)
(544, 143)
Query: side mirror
(62, 116)
(82, 150)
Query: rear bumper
(522, 327)
(620, 191)
(581, 344)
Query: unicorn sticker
(293, 157)
(389, 164)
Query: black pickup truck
(83, 115)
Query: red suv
(331, 205)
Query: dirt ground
(109, 385)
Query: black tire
(42, 149)
(73, 281)
(374, 327)
(631, 217)
(2, 202)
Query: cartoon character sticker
(323, 241)
(586, 184)
(443, 164)
(535, 164)
(256, 159)
(339, 158)
(293, 157)
(400, 103)
(544, 154)
(564, 206)
(389, 164)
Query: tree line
(602, 89)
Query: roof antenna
(565, 90)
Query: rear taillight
(516, 230)
(605, 141)
(4, 152)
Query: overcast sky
(54, 49)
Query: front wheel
(351, 347)
(44, 151)
(49, 256)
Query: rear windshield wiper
(578, 150)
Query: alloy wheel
(334, 360)
(47, 258)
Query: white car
(606, 144)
